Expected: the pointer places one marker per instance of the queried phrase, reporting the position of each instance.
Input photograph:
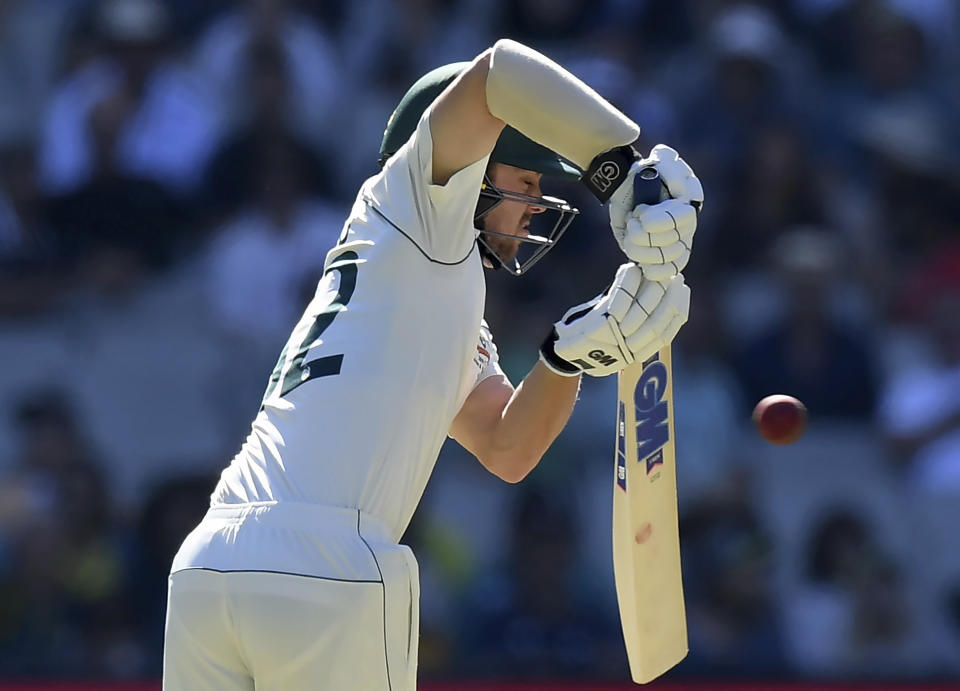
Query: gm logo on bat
(653, 430)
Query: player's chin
(510, 252)
(505, 249)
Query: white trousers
(252, 627)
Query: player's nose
(533, 209)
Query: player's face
(511, 217)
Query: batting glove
(631, 321)
(658, 236)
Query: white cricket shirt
(384, 356)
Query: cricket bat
(646, 541)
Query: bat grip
(648, 188)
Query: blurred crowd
(173, 172)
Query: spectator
(50, 435)
(890, 55)
(887, 66)
(34, 636)
(778, 187)
(534, 623)
(223, 57)
(835, 30)
(32, 270)
(707, 399)
(887, 123)
(48, 444)
(849, 617)
(157, 118)
(908, 152)
(747, 75)
(733, 626)
(809, 352)
(65, 605)
(116, 228)
(95, 576)
(264, 263)
(920, 410)
(230, 179)
(168, 513)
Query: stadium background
(172, 173)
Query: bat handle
(648, 188)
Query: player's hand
(658, 236)
(628, 323)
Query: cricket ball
(780, 419)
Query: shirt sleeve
(437, 218)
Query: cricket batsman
(295, 578)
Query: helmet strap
(490, 197)
(487, 255)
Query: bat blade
(646, 542)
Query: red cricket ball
(780, 419)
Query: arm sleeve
(437, 218)
(551, 106)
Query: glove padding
(628, 323)
(658, 236)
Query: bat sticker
(622, 447)
(653, 428)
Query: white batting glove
(631, 321)
(658, 236)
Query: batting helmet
(512, 148)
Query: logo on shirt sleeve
(482, 357)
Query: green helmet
(512, 148)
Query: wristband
(554, 362)
(608, 171)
